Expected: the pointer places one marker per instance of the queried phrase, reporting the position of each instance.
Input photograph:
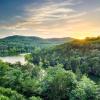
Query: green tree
(35, 98)
(58, 84)
(4, 97)
(8, 94)
(13, 79)
(85, 90)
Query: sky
(50, 18)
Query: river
(13, 59)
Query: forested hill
(19, 44)
(32, 41)
(82, 53)
(85, 44)
(79, 55)
(70, 71)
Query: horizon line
(50, 37)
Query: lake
(13, 59)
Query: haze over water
(14, 59)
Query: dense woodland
(14, 45)
(70, 71)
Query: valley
(70, 68)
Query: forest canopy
(70, 71)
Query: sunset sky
(50, 18)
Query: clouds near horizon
(51, 18)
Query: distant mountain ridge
(24, 44)
(34, 37)
(35, 40)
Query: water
(13, 59)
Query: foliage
(8, 94)
(58, 84)
(35, 98)
(14, 45)
(85, 90)
(81, 55)
(59, 73)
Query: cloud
(51, 11)
(46, 15)
(97, 9)
(51, 17)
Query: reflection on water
(14, 59)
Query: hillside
(33, 41)
(85, 44)
(83, 53)
(19, 44)
(79, 55)
(70, 71)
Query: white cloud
(97, 9)
(50, 18)
(48, 13)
